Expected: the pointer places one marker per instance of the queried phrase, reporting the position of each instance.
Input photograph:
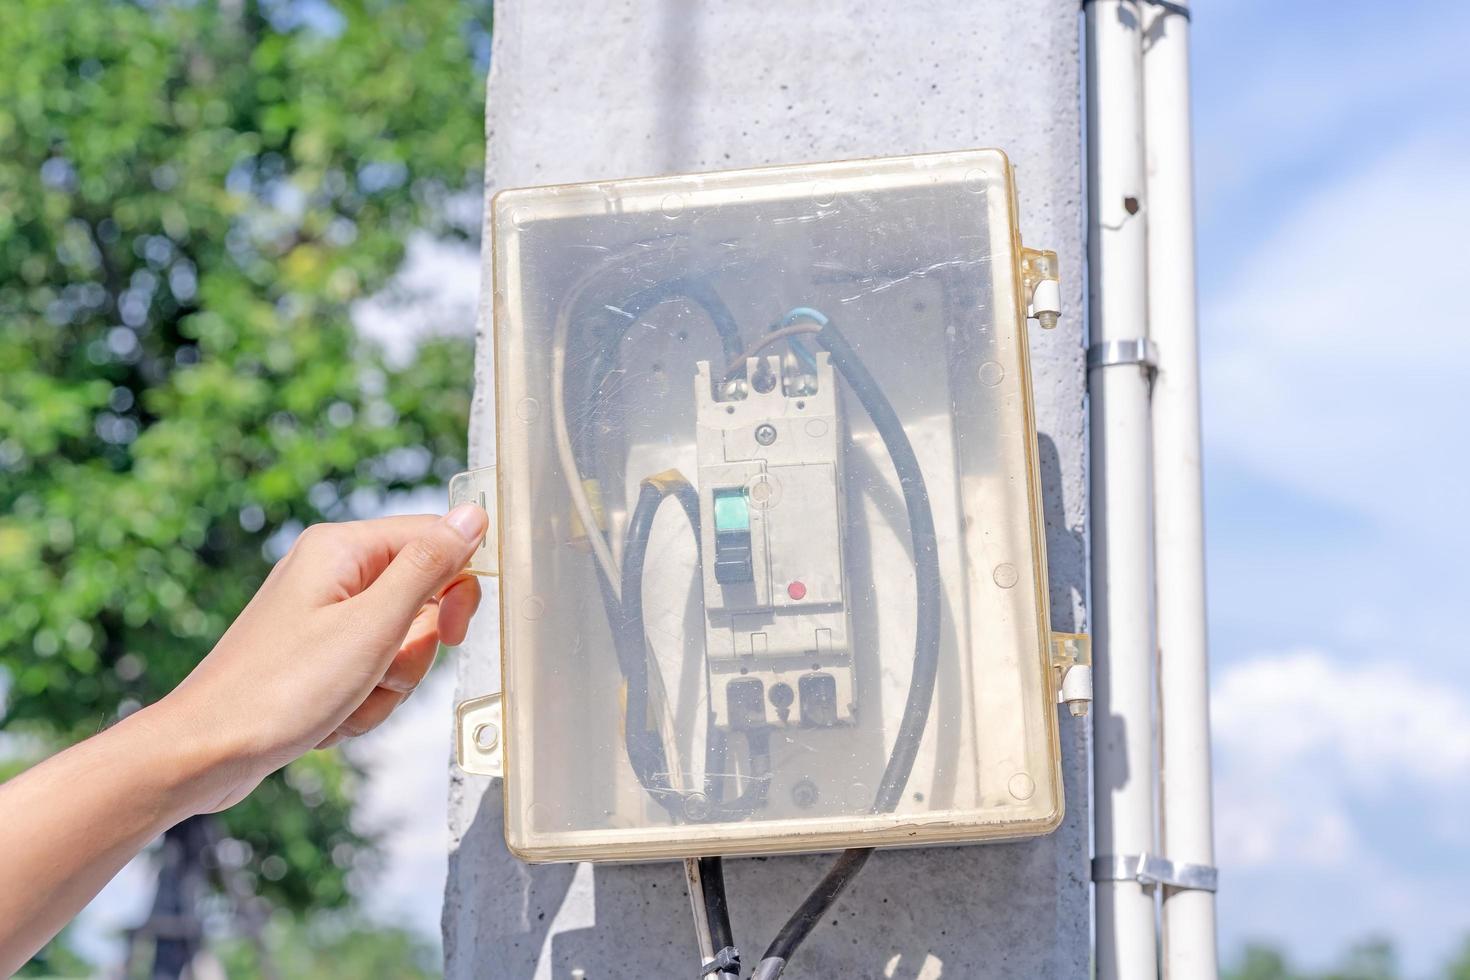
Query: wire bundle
(622, 590)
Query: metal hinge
(1071, 659)
(1150, 871)
(479, 742)
(1040, 279)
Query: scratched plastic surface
(718, 594)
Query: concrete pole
(579, 92)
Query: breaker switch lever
(732, 537)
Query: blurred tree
(1260, 962)
(1372, 959)
(58, 959)
(332, 946)
(1458, 968)
(192, 196)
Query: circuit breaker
(774, 580)
(767, 514)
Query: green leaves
(192, 195)
(1370, 959)
(332, 946)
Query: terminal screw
(696, 807)
(804, 794)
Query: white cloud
(1306, 742)
(1334, 362)
(1373, 723)
(435, 292)
(1340, 789)
(1312, 85)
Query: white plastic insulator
(1046, 298)
(1076, 692)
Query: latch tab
(479, 743)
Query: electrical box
(766, 514)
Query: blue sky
(1331, 143)
(1333, 166)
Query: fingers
(416, 655)
(445, 620)
(373, 711)
(421, 568)
(456, 606)
(337, 561)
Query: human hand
(343, 629)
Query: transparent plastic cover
(772, 570)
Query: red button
(796, 590)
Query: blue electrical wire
(803, 313)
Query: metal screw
(696, 807)
(765, 434)
(804, 794)
(764, 379)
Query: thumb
(425, 566)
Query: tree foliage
(331, 946)
(193, 195)
(1369, 959)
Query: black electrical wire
(602, 360)
(652, 492)
(926, 646)
(925, 544)
(811, 911)
(598, 355)
(926, 651)
(716, 907)
(651, 765)
(645, 747)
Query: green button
(732, 511)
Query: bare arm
(341, 632)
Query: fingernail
(468, 521)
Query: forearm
(342, 630)
(69, 824)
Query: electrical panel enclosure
(767, 515)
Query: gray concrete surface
(583, 91)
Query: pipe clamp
(1149, 870)
(1136, 350)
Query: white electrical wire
(694, 881)
(580, 501)
(562, 432)
(604, 556)
(563, 436)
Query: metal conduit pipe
(1186, 823)
(1122, 562)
